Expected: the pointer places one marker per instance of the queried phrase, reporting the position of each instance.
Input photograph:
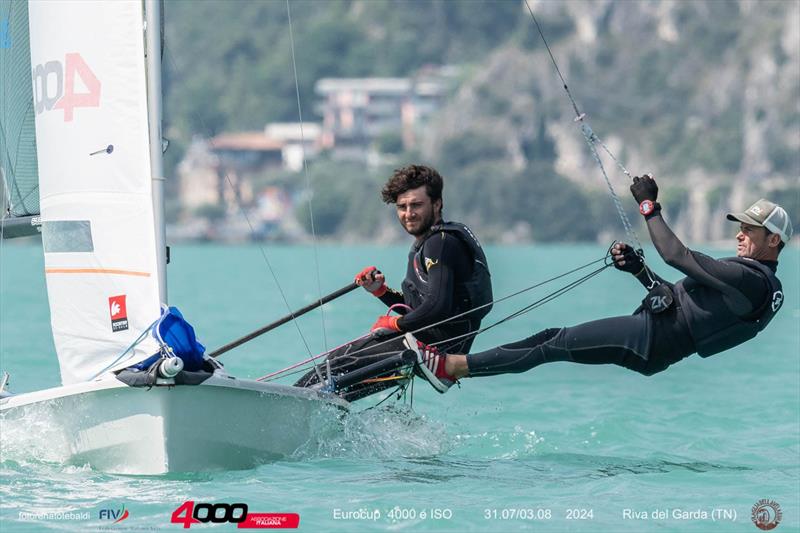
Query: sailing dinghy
(90, 180)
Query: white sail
(98, 235)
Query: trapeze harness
(434, 312)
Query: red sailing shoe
(430, 364)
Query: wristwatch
(647, 207)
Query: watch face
(646, 207)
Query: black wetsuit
(447, 276)
(441, 282)
(718, 305)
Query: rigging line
(590, 137)
(299, 367)
(309, 360)
(588, 134)
(552, 296)
(133, 345)
(398, 390)
(280, 373)
(553, 59)
(538, 303)
(548, 298)
(308, 179)
(250, 225)
(411, 395)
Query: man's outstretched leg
(623, 341)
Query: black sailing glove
(626, 258)
(644, 188)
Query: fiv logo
(117, 515)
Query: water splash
(379, 433)
(515, 444)
(33, 434)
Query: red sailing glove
(372, 280)
(386, 322)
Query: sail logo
(5, 34)
(117, 515)
(119, 313)
(65, 86)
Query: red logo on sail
(119, 313)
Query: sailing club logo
(117, 515)
(119, 313)
(766, 514)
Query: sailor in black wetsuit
(720, 304)
(446, 292)
(447, 273)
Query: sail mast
(153, 63)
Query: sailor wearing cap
(721, 303)
(757, 244)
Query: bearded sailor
(447, 289)
(446, 293)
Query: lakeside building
(359, 113)
(369, 120)
(215, 171)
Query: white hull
(224, 423)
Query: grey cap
(768, 215)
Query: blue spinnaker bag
(174, 331)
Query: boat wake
(385, 432)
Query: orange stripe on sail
(96, 271)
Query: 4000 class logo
(189, 513)
(55, 87)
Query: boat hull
(222, 424)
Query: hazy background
(704, 94)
